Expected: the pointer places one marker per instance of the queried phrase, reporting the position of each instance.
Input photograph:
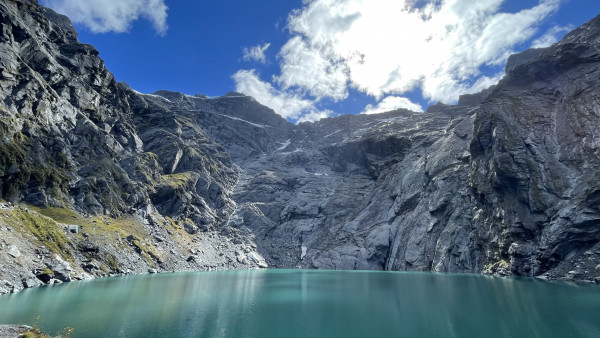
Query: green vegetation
(143, 168)
(115, 227)
(148, 252)
(66, 332)
(47, 271)
(104, 269)
(179, 180)
(46, 224)
(125, 234)
(61, 215)
(112, 262)
(95, 226)
(110, 228)
(47, 231)
(35, 332)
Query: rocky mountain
(97, 179)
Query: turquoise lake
(309, 303)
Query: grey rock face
(362, 192)
(503, 182)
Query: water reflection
(300, 303)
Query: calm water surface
(300, 303)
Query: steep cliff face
(72, 136)
(535, 160)
(503, 182)
(506, 181)
(387, 191)
(137, 172)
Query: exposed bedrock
(98, 179)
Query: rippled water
(301, 303)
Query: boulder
(31, 282)
(88, 246)
(62, 269)
(257, 259)
(14, 251)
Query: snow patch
(239, 119)
(234, 118)
(335, 132)
(153, 95)
(392, 119)
(284, 145)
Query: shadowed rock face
(535, 160)
(506, 181)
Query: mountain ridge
(98, 179)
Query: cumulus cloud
(392, 103)
(551, 36)
(289, 105)
(386, 48)
(316, 70)
(256, 53)
(102, 16)
(390, 46)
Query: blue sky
(318, 58)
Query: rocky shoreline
(26, 262)
(13, 331)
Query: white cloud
(315, 70)
(102, 16)
(389, 47)
(392, 103)
(256, 53)
(289, 105)
(386, 48)
(314, 116)
(551, 36)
